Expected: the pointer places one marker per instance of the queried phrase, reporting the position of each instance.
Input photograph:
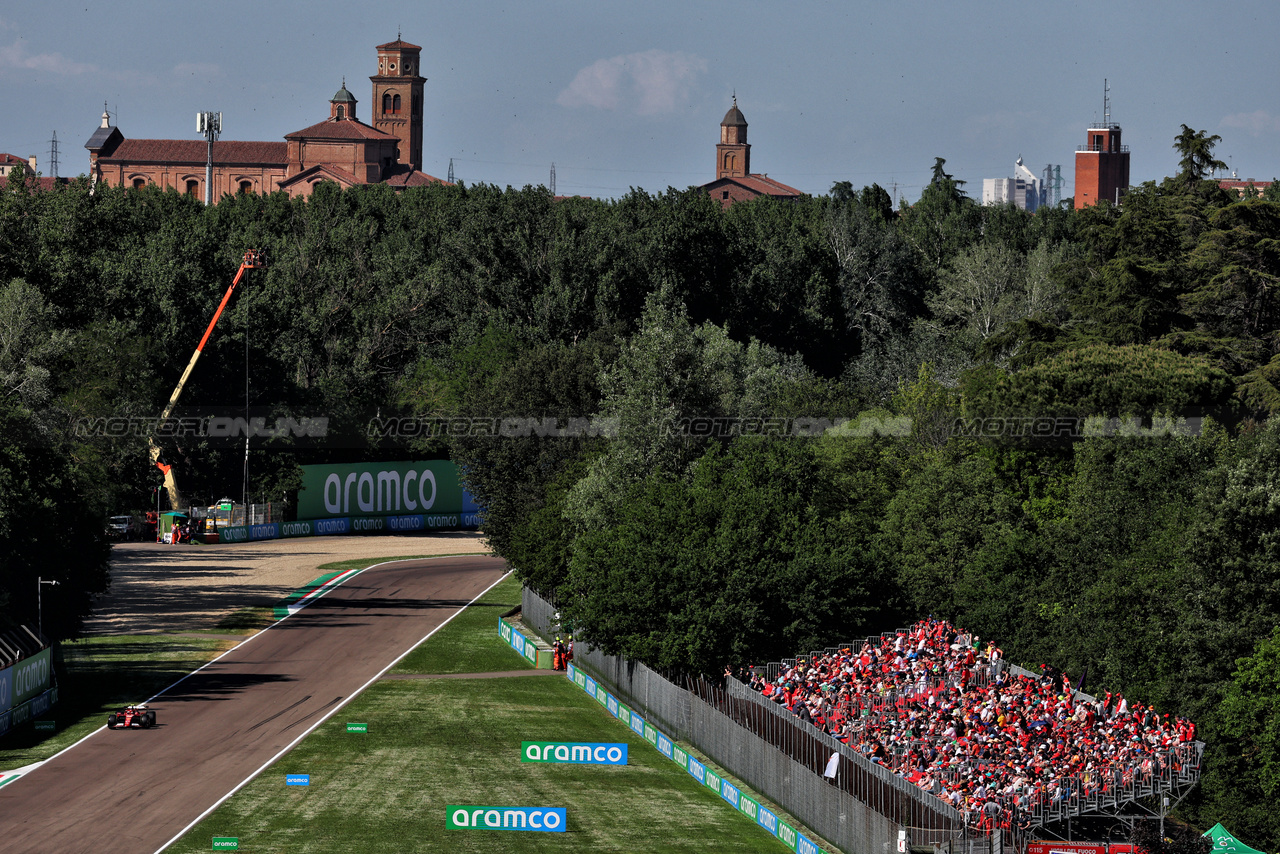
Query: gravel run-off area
(157, 588)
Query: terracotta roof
(194, 151)
(320, 171)
(48, 183)
(345, 129)
(399, 44)
(765, 184)
(403, 176)
(760, 184)
(6, 159)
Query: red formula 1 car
(130, 716)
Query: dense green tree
(732, 567)
(1236, 265)
(1112, 580)
(1195, 154)
(980, 291)
(943, 222)
(949, 507)
(781, 281)
(673, 389)
(50, 527)
(532, 409)
(880, 288)
(1106, 381)
(29, 344)
(1242, 775)
(1232, 585)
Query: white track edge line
(330, 714)
(92, 733)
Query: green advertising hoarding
(382, 489)
(31, 677)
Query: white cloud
(648, 83)
(1257, 123)
(16, 56)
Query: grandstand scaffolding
(869, 805)
(1148, 789)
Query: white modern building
(1024, 189)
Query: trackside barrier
(525, 648)
(348, 525)
(763, 817)
(32, 708)
(865, 808)
(751, 808)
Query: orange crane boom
(253, 259)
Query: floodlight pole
(40, 583)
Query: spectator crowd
(941, 708)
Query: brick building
(1242, 188)
(341, 148)
(9, 162)
(1102, 167)
(734, 180)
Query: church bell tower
(733, 155)
(397, 99)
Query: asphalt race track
(127, 791)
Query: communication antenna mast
(209, 124)
(553, 179)
(451, 179)
(53, 155)
(1106, 103)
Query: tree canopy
(793, 423)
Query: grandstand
(977, 749)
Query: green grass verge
(435, 742)
(466, 644)
(98, 674)
(247, 620)
(432, 743)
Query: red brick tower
(397, 99)
(733, 155)
(1102, 166)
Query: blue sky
(622, 95)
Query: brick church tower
(733, 155)
(397, 99)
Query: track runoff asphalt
(135, 790)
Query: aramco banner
(30, 677)
(383, 489)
